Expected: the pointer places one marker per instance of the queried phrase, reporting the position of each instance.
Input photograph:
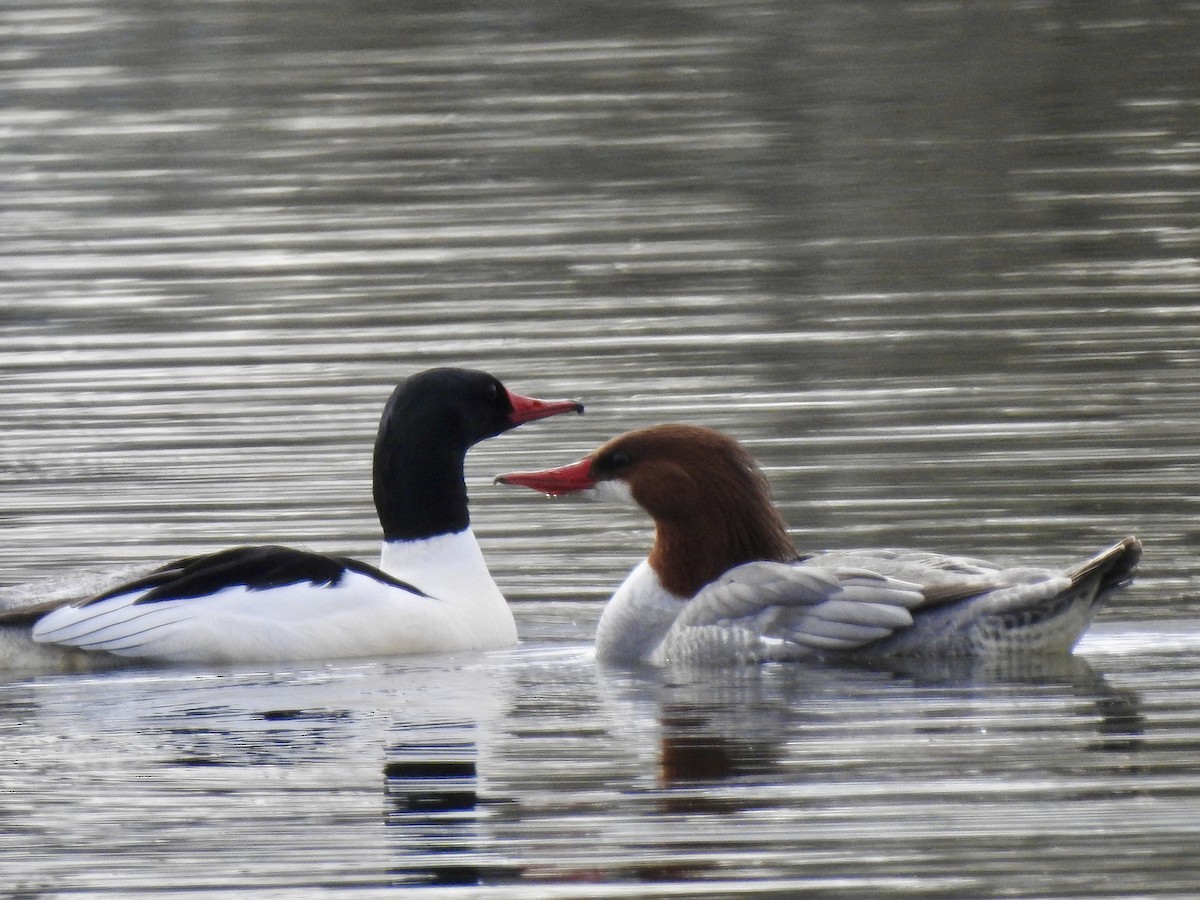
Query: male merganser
(432, 591)
(723, 581)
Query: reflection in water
(432, 794)
(830, 755)
(935, 263)
(566, 773)
(749, 722)
(1120, 723)
(218, 736)
(1122, 726)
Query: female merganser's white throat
(432, 591)
(723, 582)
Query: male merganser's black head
(428, 425)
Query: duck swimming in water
(431, 591)
(723, 581)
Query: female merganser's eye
(618, 459)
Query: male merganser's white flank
(432, 591)
(723, 582)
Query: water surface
(936, 264)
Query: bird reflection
(790, 722)
(724, 724)
(431, 784)
(1119, 721)
(221, 735)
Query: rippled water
(937, 264)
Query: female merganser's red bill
(723, 582)
(555, 482)
(432, 591)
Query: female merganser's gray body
(723, 581)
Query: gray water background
(935, 263)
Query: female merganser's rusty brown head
(710, 502)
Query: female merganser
(432, 591)
(723, 582)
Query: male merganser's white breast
(451, 568)
(448, 566)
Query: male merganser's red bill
(530, 409)
(723, 581)
(431, 592)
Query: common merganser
(723, 582)
(432, 591)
